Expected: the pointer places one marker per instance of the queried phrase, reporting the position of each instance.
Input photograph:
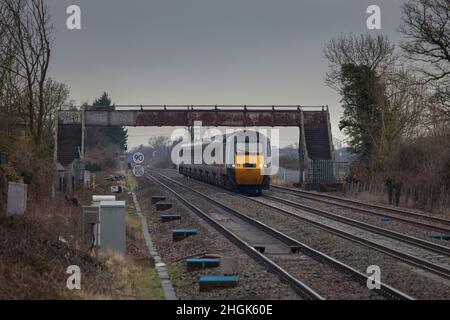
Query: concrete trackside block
(195, 263)
(170, 217)
(161, 206)
(207, 283)
(295, 249)
(260, 249)
(440, 236)
(156, 199)
(178, 235)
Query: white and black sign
(138, 157)
(138, 170)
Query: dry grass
(135, 278)
(33, 261)
(280, 182)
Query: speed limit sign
(138, 170)
(138, 157)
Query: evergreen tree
(361, 93)
(114, 135)
(104, 101)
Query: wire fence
(327, 172)
(319, 172)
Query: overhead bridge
(227, 116)
(313, 122)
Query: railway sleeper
(158, 198)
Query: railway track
(407, 258)
(267, 259)
(427, 245)
(440, 270)
(371, 209)
(301, 288)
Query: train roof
(209, 140)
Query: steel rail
(386, 290)
(427, 245)
(301, 288)
(316, 196)
(409, 259)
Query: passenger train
(239, 161)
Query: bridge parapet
(229, 116)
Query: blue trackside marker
(202, 260)
(184, 231)
(202, 263)
(170, 217)
(207, 283)
(218, 279)
(384, 218)
(178, 235)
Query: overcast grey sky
(207, 51)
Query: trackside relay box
(17, 198)
(112, 234)
(110, 230)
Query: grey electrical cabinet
(111, 230)
(17, 198)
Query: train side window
(247, 145)
(258, 150)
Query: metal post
(82, 132)
(191, 133)
(300, 156)
(302, 152)
(55, 151)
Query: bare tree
(426, 25)
(55, 96)
(25, 29)
(375, 52)
(403, 110)
(10, 90)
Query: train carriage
(238, 161)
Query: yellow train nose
(248, 169)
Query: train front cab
(248, 168)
